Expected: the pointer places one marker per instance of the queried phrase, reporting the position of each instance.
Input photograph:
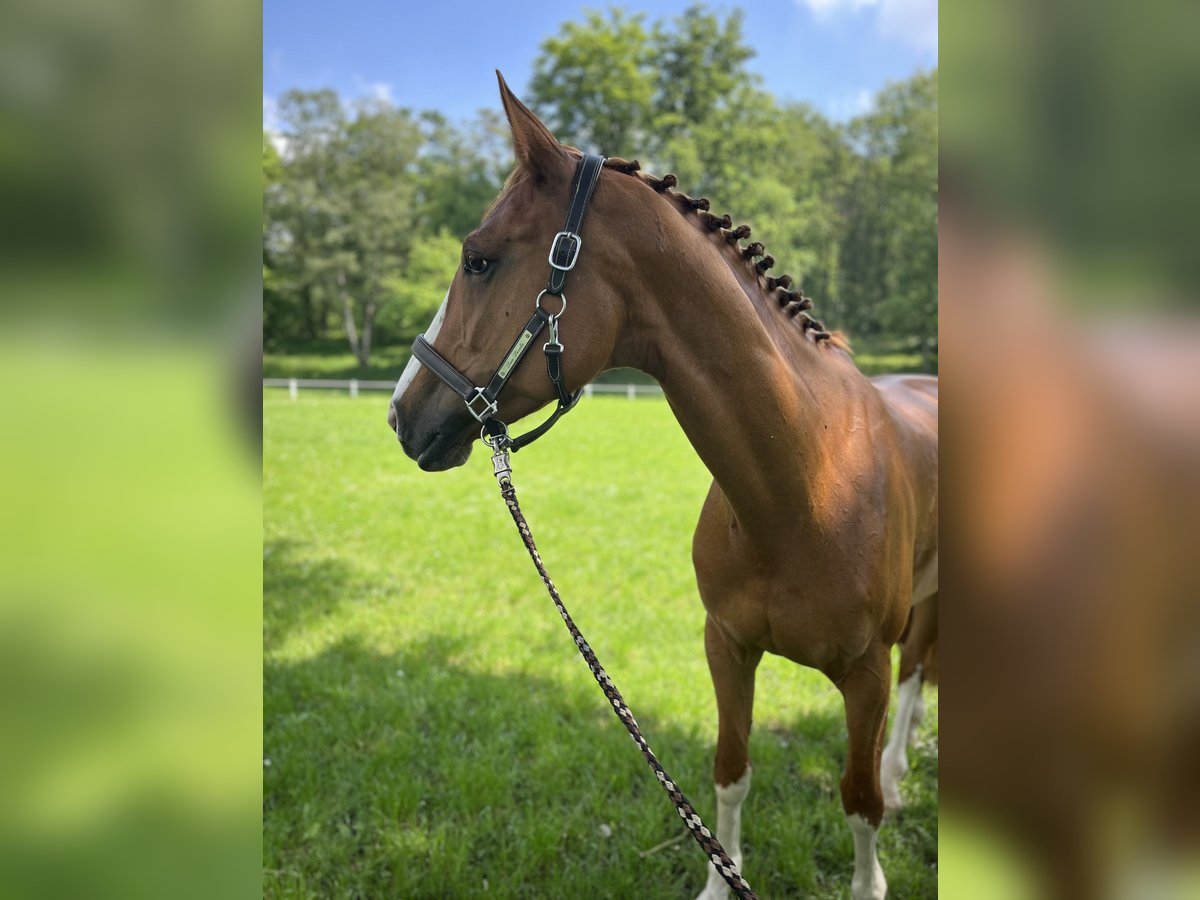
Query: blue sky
(833, 54)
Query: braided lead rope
(705, 838)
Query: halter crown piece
(482, 401)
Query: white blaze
(414, 364)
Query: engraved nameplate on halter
(514, 354)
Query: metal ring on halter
(562, 297)
(487, 438)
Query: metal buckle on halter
(578, 243)
(488, 410)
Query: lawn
(430, 729)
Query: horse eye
(475, 264)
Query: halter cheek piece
(482, 401)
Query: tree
(612, 85)
(379, 189)
(594, 82)
(338, 215)
(459, 170)
(699, 64)
(298, 213)
(417, 292)
(892, 237)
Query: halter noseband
(564, 253)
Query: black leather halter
(564, 253)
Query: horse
(819, 531)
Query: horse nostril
(392, 421)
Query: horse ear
(536, 148)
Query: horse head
(496, 289)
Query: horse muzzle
(435, 446)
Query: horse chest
(791, 606)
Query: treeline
(365, 209)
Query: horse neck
(759, 406)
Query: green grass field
(430, 729)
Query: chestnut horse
(819, 532)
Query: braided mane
(753, 255)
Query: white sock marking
(868, 882)
(730, 798)
(414, 364)
(894, 765)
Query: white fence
(294, 385)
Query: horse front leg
(865, 690)
(732, 671)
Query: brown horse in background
(819, 532)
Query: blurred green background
(130, 568)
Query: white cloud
(271, 124)
(914, 22)
(381, 90)
(270, 112)
(826, 9)
(850, 104)
(377, 90)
